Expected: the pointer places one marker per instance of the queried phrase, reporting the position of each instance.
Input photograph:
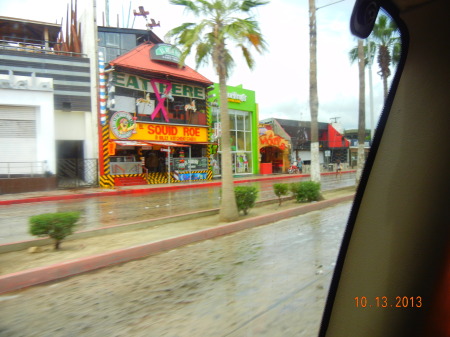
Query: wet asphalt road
(266, 281)
(98, 212)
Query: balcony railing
(36, 46)
(23, 169)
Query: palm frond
(203, 50)
(189, 5)
(207, 7)
(248, 57)
(177, 30)
(248, 5)
(210, 38)
(396, 53)
(353, 54)
(245, 30)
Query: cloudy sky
(281, 75)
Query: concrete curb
(31, 277)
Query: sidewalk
(161, 238)
(67, 194)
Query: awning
(147, 143)
(202, 143)
(167, 144)
(131, 143)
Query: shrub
(54, 225)
(306, 191)
(245, 197)
(280, 189)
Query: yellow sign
(171, 133)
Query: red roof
(139, 59)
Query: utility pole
(313, 95)
(335, 119)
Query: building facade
(45, 104)
(155, 125)
(243, 113)
(333, 146)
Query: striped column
(101, 65)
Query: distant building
(332, 143)
(114, 42)
(352, 136)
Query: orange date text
(387, 302)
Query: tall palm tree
(363, 53)
(385, 35)
(313, 96)
(362, 110)
(212, 37)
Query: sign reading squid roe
(171, 133)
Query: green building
(243, 112)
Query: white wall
(70, 125)
(45, 127)
(306, 155)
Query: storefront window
(240, 122)
(241, 141)
(248, 141)
(240, 135)
(232, 122)
(247, 122)
(242, 162)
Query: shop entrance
(72, 169)
(274, 156)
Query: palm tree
(313, 96)
(363, 54)
(385, 35)
(212, 38)
(362, 110)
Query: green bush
(306, 191)
(54, 225)
(280, 189)
(245, 197)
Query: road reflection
(98, 212)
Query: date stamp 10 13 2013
(386, 302)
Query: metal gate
(73, 173)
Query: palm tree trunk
(313, 95)
(362, 111)
(228, 207)
(384, 60)
(385, 87)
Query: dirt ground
(23, 260)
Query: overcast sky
(281, 75)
